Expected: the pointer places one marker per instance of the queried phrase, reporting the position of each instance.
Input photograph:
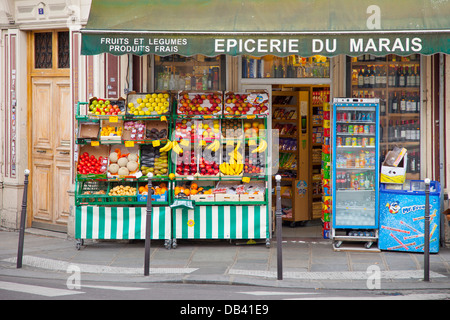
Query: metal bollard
(279, 233)
(148, 226)
(426, 248)
(23, 218)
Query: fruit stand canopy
(267, 27)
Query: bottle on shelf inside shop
(405, 103)
(404, 130)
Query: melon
(122, 162)
(113, 157)
(123, 171)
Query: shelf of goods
(208, 167)
(396, 82)
(118, 143)
(220, 167)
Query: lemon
(148, 96)
(136, 113)
(151, 109)
(166, 103)
(148, 104)
(145, 100)
(139, 100)
(131, 104)
(139, 108)
(147, 113)
(154, 95)
(157, 100)
(166, 95)
(154, 104)
(151, 100)
(160, 104)
(141, 113)
(160, 95)
(158, 108)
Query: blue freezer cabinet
(402, 217)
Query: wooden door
(50, 118)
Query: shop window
(294, 67)
(63, 50)
(43, 50)
(396, 81)
(198, 72)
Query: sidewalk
(307, 263)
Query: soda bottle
(352, 180)
(361, 181)
(356, 182)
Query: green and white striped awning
(262, 27)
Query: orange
(187, 192)
(162, 185)
(194, 186)
(193, 191)
(177, 190)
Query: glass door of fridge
(355, 174)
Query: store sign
(281, 45)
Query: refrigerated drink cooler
(355, 170)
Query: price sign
(246, 179)
(156, 143)
(251, 142)
(114, 119)
(251, 116)
(129, 144)
(95, 143)
(163, 118)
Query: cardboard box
(394, 174)
(88, 130)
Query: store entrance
(300, 114)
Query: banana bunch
(176, 148)
(167, 147)
(261, 148)
(214, 146)
(231, 169)
(235, 163)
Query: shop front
(248, 87)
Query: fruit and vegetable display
(123, 164)
(195, 104)
(155, 160)
(246, 103)
(233, 160)
(108, 131)
(105, 107)
(90, 164)
(122, 190)
(149, 104)
(232, 128)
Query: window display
(287, 67)
(196, 73)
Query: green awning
(262, 27)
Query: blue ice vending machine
(402, 217)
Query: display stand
(221, 215)
(111, 205)
(100, 212)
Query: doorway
(49, 128)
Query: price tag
(129, 144)
(203, 143)
(163, 118)
(156, 143)
(246, 179)
(95, 143)
(251, 142)
(184, 143)
(230, 142)
(251, 116)
(114, 119)
(207, 117)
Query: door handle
(64, 152)
(41, 151)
